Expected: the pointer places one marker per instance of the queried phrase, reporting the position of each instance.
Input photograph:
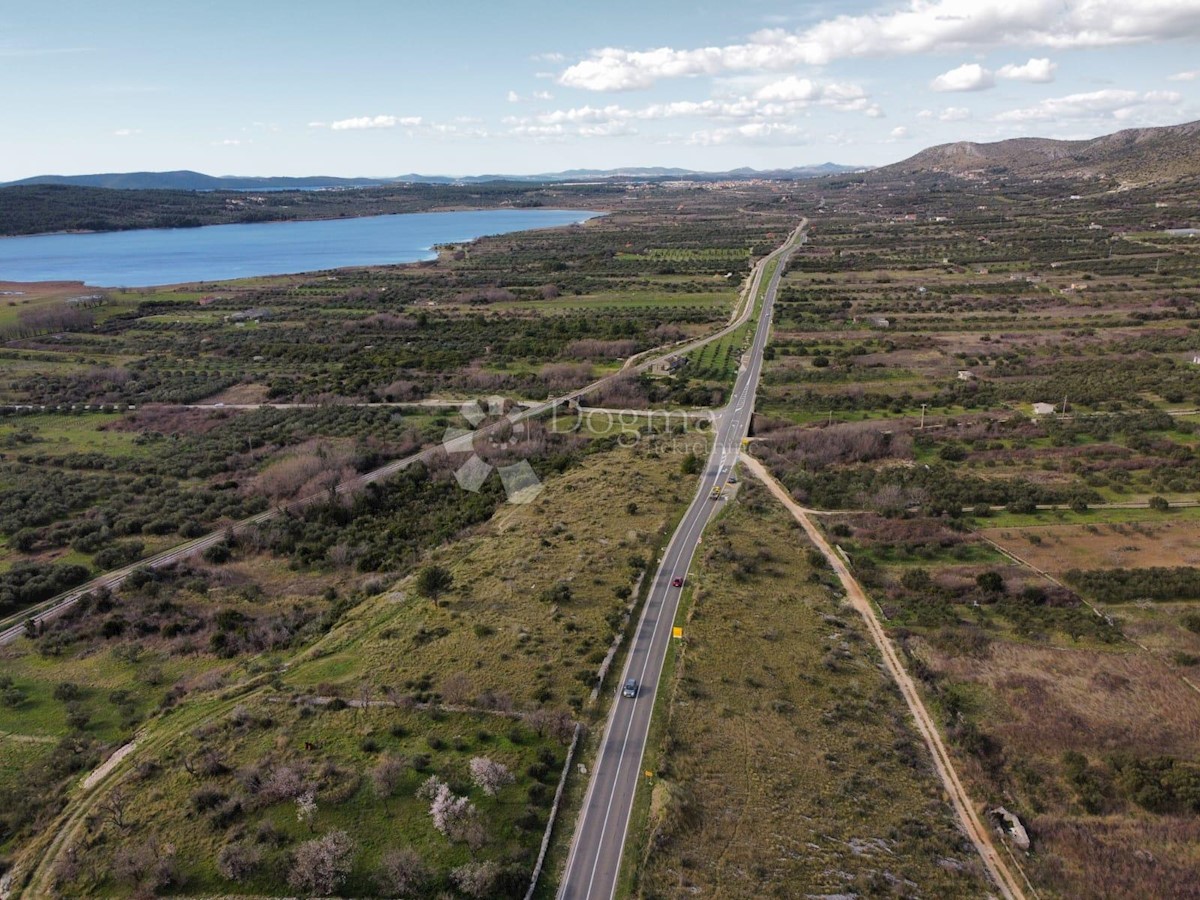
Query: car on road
(716, 493)
(676, 582)
(630, 689)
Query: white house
(1043, 409)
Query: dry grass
(1055, 698)
(1059, 548)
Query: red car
(678, 582)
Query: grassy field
(539, 592)
(541, 582)
(786, 766)
(332, 753)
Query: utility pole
(1064, 412)
(923, 405)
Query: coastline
(430, 252)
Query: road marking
(699, 513)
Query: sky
(373, 88)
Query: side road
(1008, 884)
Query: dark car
(676, 582)
(630, 689)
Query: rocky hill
(1136, 155)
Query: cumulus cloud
(1185, 76)
(1111, 103)
(775, 133)
(899, 133)
(1038, 71)
(967, 77)
(364, 122)
(922, 26)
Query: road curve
(13, 627)
(595, 857)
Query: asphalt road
(13, 627)
(595, 858)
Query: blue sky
(382, 88)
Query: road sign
(677, 631)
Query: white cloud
(542, 95)
(967, 77)
(777, 100)
(899, 133)
(954, 114)
(231, 142)
(1111, 103)
(363, 122)
(127, 132)
(1038, 71)
(1185, 76)
(920, 27)
(776, 133)
(514, 97)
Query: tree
(114, 807)
(690, 464)
(433, 581)
(452, 815)
(1159, 504)
(990, 582)
(238, 861)
(387, 775)
(476, 879)
(402, 873)
(490, 776)
(321, 865)
(306, 809)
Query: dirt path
(1008, 884)
(101, 771)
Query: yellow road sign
(677, 631)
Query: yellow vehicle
(716, 493)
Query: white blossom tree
(490, 776)
(321, 865)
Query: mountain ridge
(188, 180)
(1142, 154)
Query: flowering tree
(321, 865)
(306, 809)
(490, 776)
(452, 815)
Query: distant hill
(194, 181)
(197, 181)
(1136, 154)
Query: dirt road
(1007, 883)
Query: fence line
(562, 783)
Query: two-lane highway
(595, 858)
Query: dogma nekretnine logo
(521, 483)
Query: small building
(880, 322)
(1196, 359)
(1043, 409)
(670, 365)
(966, 375)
